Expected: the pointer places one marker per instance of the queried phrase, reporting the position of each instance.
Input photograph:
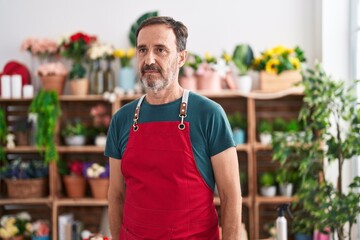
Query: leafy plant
(3, 133)
(292, 126)
(284, 175)
(279, 125)
(74, 128)
(331, 119)
(46, 108)
(136, 25)
(236, 120)
(267, 179)
(243, 57)
(265, 126)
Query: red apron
(166, 197)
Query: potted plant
(238, 125)
(331, 122)
(3, 133)
(40, 230)
(74, 133)
(15, 227)
(279, 67)
(265, 129)
(243, 57)
(127, 74)
(44, 111)
(52, 76)
(75, 48)
(73, 178)
(25, 179)
(286, 179)
(98, 176)
(267, 184)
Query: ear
(182, 58)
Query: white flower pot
(100, 140)
(265, 138)
(77, 140)
(268, 191)
(244, 83)
(286, 189)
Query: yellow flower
(119, 53)
(271, 65)
(289, 50)
(226, 57)
(268, 53)
(295, 62)
(279, 50)
(130, 52)
(257, 61)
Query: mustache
(151, 67)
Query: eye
(141, 51)
(161, 50)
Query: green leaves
(243, 57)
(135, 26)
(46, 106)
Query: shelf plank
(80, 202)
(25, 201)
(79, 98)
(22, 149)
(262, 147)
(81, 149)
(243, 147)
(246, 201)
(274, 200)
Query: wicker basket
(27, 188)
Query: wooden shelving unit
(252, 154)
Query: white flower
(24, 216)
(95, 170)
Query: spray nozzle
(282, 208)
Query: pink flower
(41, 47)
(56, 68)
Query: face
(158, 58)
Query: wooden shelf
(274, 200)
(79, 98)
(25, 201)
(262, 147)
(243, 147)
(22, 149)
(80, 202)
(81, 149)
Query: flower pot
(320, 236)
(188, 82)
(286, 189)
(99, 187)
(75, 186)
(54, 82)
(40, 237)
(239, 136)
(209, 80)
(100, 140)
(244, 83)
(273, 82)
(79, 86)
(265, 138)
(127, 78)
(77, 140)
(20, 237)
(302, 236)
(268, 191)
(26, 188)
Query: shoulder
(202, 103)
(125, 110)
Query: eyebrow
(157, 46)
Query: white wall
(214, 26)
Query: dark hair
(179, 29)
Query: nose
(149, 58)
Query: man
(168, 148)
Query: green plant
(74, 128)
(292, 126)
(279, 59)
(331, 120)
(284, 175)
(265, 126)
(279, 125)
(46, 107)
(267, 179)
(136, 25)
(243, 57)
(3, 133)
(236, 120)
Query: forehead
(158, 34)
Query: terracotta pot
(209, 80)
(20, 237)
(55, 83)
(75, 186)
(79, 86)
(188, 82)
(99, 187)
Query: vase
(109, 77)
(127, 78)
(53, 83)
(209, 80)
(75, 186)
(79, 86)
(239, 136)
(99, 187)
(40, 237)
(277, 82)
(244, 83)
(96, 78)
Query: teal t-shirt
(210, 131)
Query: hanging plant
(135, 26)
(3, 133)
(47, 109)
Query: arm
(226, 170)
(116, 197)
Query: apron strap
(183, 109)
(137, 113)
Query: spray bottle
(281, 222)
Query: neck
(164, 96)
